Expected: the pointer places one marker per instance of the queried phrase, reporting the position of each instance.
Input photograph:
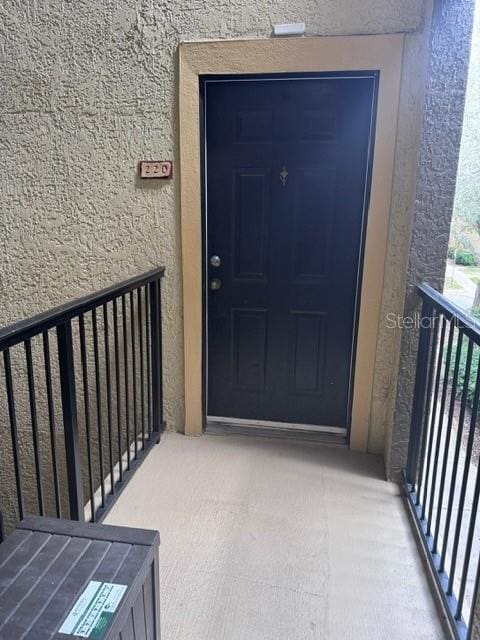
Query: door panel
(249, 348)
(307, 336)
(250, 232)
(286, 178)
(311, 230)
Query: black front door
(286, 185)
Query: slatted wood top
(45, 564)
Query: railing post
(156, 356)
(419, 399)
(70, 424)
(2, 528)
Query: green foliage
(462, 366)
(473, 374)
(472, 378)
(462, 237)
(465, 258)
(462, 252)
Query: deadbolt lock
(215, 284)
(215, 261)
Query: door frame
(382, 53)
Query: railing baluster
(99, 404)
(127, 395)
(148, 353)
(160, 352)
(463, 487)
(142, 363)
(117, 387)
(434, 413)
(458, 443)
(156, 357)
(86, 407)
(438, 441)
(448, 433)
(134, 374)
(34, 422)
(70, 423)
(13, 431)
(419, 396)
(109, 396)
(2, 524)
(51, 421)
(427, 404)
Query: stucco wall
(88, 90)
(435, 188)
(408, 142)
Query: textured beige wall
(88, 89)
(408, 142)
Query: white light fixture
(294, 29)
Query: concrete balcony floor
(265, 539)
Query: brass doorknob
(215, 284)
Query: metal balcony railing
(80, 402)
(443, 472)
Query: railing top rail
(468, 323)
(24, 329)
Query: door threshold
(262, 428)
(271, 424)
